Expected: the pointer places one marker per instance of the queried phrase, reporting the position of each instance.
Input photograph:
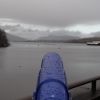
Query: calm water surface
(20, 64)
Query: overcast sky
(60, 13)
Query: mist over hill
(33, 32)
(96, 34)
(13, 38)
(84, 40)
(19, 31)
(56, 38)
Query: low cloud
(31, 31)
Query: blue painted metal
(52, 80)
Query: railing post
(93, 88)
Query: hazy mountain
(84, 40)
(56, 38)
(31, 31)
(97, 34)
(14, 38)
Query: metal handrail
(77, 84)
(80, 83)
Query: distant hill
(96, 34)
(56, 38)
(13, 38)
(84, 40)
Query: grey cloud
(51, 12)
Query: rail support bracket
(93, 89)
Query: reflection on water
(2, 58)
(20, 63)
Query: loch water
(21, 62)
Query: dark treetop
(3, 39)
